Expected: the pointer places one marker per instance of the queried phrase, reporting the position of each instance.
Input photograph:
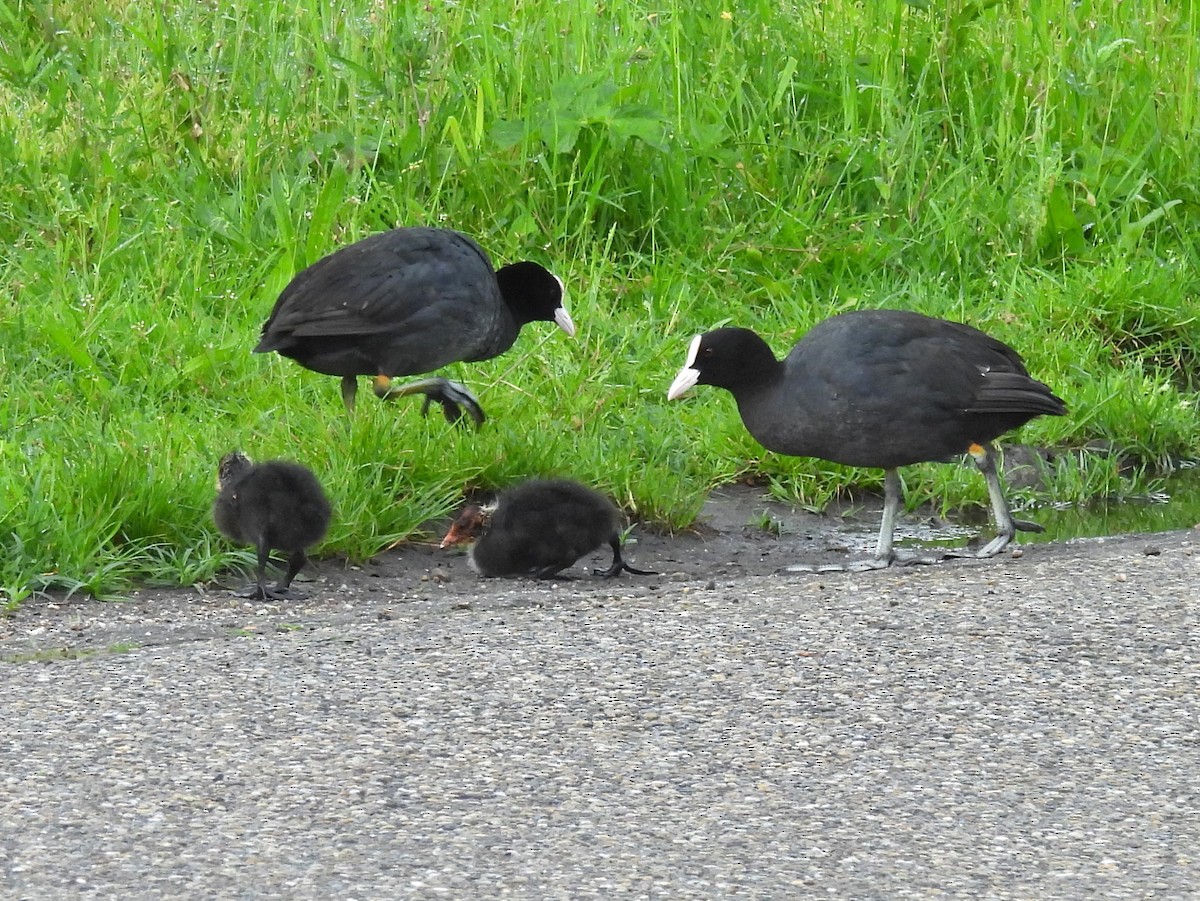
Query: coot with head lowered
(407, 302)
(878, 388)
(539, 528)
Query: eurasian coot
(541, 527)
(273, 505)
(406, 302)
(879, 388)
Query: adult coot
(541, 527)
(883, 388)
(277, 504)
(407, 302)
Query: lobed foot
(453, 396)
(262, 593)
(862, 566)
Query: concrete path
(1017, 728)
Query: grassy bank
(1028, 168)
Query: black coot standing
(407, 302)
(273, 505)
(540, 527)
(879, 388)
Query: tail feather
(1012, 392)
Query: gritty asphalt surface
(1025, 727)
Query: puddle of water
(1153, 515)
(1175, 506)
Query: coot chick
(879, 388)
(541, 527)
(407, 302)
(273, 505)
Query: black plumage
(276, 505)
(878, 388)
(407, 302)
(540, 527)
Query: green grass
(1028, 168)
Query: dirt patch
(741, 533)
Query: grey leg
(349, 390)
(885, 556)
(1006, 528)
(893, 494)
